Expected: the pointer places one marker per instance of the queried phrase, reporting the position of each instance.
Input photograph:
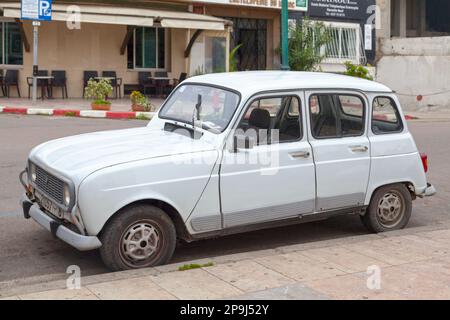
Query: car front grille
(50, 185)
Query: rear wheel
(139, 236)
(389, 209)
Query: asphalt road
(29, 254)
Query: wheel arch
(173, 214)
(408, 184)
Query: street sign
(40, 10)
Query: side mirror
(242, 142)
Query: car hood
(78, 156)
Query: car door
(338, 135)
(274, 179)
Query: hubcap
(390, 209)
(139, 242)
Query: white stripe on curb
(148, 115)
(93, 113)
(44, 112)
(1, 109)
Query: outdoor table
(158, 84)
(42, 87)
(106, 78)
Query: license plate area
(49, 205)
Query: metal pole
(36, 25)
(284, 36)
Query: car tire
(138, 236)
(389, 209)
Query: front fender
(178, 180)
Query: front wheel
(137, 237)
(389, 209)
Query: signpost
(284, 35)
(37, 11)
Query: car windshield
(215, 106)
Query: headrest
(259, 118)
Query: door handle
(300, 154)
(359, 148)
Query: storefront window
(146, 49)
(208, 54)
(11, 45)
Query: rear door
(338, 136)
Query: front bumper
(427, 192)
(76, 240)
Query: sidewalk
(120, 108)
(413, 264)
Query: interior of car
(273, 119)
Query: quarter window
(336, 115)
(385, 116)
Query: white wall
(416, 66)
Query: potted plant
(99, 92)
(139, 102)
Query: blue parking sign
(40, 10)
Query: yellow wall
(93, 47)
(97, 47)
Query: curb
(78, 113)
(103, 114)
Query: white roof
(250, 82)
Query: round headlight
(32, 172)
(66, 195)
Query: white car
(230, 153)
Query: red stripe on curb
(121, 115)
(66, 112)
(408, 117)
(15, 110)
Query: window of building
(385, 116)
(146, 49)
(208, 54)
(336, 115)
(11, 50)
(345, 44)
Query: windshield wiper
(197, 110)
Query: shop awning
(126, 16)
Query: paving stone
(61, 294)
(299, 267)
(248, 275)
(385, 251)
(136, 289)
(348, 261)
(195, 284)
(351, 287)
(295, 291)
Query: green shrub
(98, 90)
(357, 71)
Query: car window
(336, 115)
(272, 120)
(351, 115)
(385, 116)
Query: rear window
(385, 116)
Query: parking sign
(40, 10)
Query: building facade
(191, 36)
(413, 55)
